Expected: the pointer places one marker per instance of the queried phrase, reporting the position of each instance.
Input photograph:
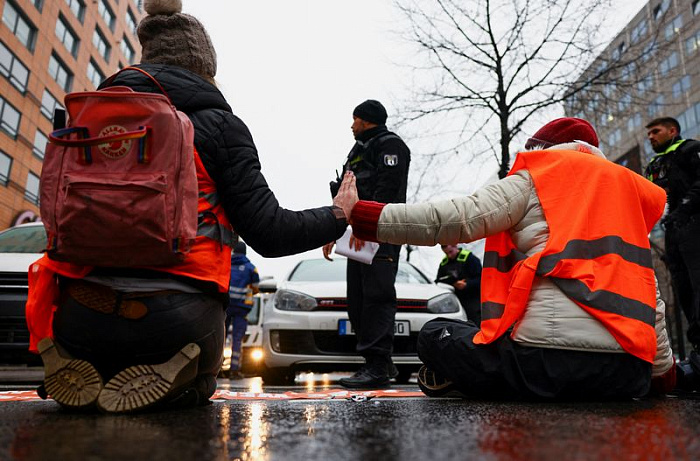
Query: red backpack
(118, 185)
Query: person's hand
(356, 243)
(460, 285)
(347, 194)
(675, 220)
(327, 248)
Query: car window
(29, 239)
(320, 270)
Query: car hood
(338, 289)
(17, 262)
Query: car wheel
(404, 375)
(277, 376)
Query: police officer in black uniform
(676, 168)
(379, 159)
(462, 269)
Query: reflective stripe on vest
(210, 257)
(597, 253)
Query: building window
(49, 104)
(673, 27)
(692, 44)
(9, 118)
(31, 192)
(668, 63)
(40, 141)
(39, 4)
(615, 137)
(19, 25)
(688, 122)
(634, 122)
(106, 13)
(655, 106)
(618, 52)
(77, 7)
(12, 69)
(94, 74)
(60, 73)
(629, 70)
(660, 9)
(5, 167)
(131, 21)
(624, 103)
(681, 86)
(101, 44)
(127, 50)
(645, 84)
(639, 31)
(66, 36)
(696, 7)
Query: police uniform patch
(391, 160)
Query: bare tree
(496, 63)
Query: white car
(20, 246)
(307, 328)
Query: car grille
(13, 297)
(341, 304)
(325, 342)
(13, 281)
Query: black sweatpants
(683, 256)
(506, 370)
(372, 303)
(112, 343)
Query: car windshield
(26, 239)
(320, 270)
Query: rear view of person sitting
(126, 338)
(569, 303)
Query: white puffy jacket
(551, 319)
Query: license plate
(401, 328)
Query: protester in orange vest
(569, 302)
(124, 339)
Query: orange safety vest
(209, 260)
(598, 253)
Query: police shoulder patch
(391, 160)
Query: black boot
(374, 375)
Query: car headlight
(444, 304)
(286, 300)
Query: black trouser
(683, 257)
(506, 370)
(112, 343)
(372, 303)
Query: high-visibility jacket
(599, 216)
(209, 260)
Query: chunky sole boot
(434, 385)
(142, 386)
(73, 383)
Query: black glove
(675, 220)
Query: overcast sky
(294, 71)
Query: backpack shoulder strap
(138, 69)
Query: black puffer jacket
(226, 148)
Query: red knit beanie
(562, 130)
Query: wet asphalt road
(379, 428)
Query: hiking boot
(141, 386)
(434, 385)
(72, 383)
(366, 378)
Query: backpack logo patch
(391, 160)
(116, 149)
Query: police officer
(379, 159)
(462, 269)
(676, 168)
(243, 285)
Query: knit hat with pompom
(170, 37)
